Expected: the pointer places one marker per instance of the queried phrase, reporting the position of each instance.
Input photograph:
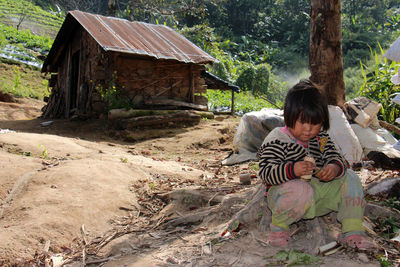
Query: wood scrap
(176, 103)
(389, 127)
(159, 120)
(374, 210)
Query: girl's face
(305, 131)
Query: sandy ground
(68, 183)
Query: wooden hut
(148, 65)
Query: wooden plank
(171, 102)
(159, 120)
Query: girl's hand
(328, 172)
(301, 168)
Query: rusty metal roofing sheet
(119, 35)
(141, 38)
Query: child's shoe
(278, 237)
(356, 240)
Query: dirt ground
(79, 192)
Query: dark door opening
(74, 81)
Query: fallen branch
(390, 127)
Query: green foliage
(113, 96)
(384, 261)
(392, 202)
(377, 86)
(294, 257)
(246, 79)
(23, 14)
(255, 79)
(244, 101)
(22, 81)
(354, 80)
(27, 38)
(388, 227)
(44, 153)
(227, 67)
(202, 35)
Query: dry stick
(390, 127)
(84, 244)
(46, 247)
(209, 201)
(269, 101)
(83, 234)
(99, 260)
(84, 257)
(262, 242)
(238, 258)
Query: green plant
(388, 227)
(253, 166)
(112, 95)
(244, 101)
(17, 81)
(294, 257)
(393, 202)
(124, 160)
(377, 86)
(44, 153)
(153, 185)
(384, 261)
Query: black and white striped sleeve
(275, 168)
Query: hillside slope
(23, 14)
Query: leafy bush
(113, 96)
(244, 101)
(22, 80)
(353, 79)
(377, 86)
(255, 79)
(26, 37)
(246, 79)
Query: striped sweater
(279, 152)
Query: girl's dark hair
(306, 102)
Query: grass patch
(244, 101)
(12, 11)
(22, 80)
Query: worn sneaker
(279, 239)
(359, 241)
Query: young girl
(282, 164)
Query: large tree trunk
(326, 65)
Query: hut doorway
(74, 82)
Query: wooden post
(67, 82)
(191, 84)
(233, 103)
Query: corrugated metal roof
(124, 36)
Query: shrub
(377, 86)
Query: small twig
(159, 222)
(84, 256)
(46, 247)
(99, 260)
(83, 234)
(260, 241)
(209, 201)
(295, 231)
(238, 258)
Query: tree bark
(325, 58)
(112, 5)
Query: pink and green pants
(298, 199)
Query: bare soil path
(79, 184)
